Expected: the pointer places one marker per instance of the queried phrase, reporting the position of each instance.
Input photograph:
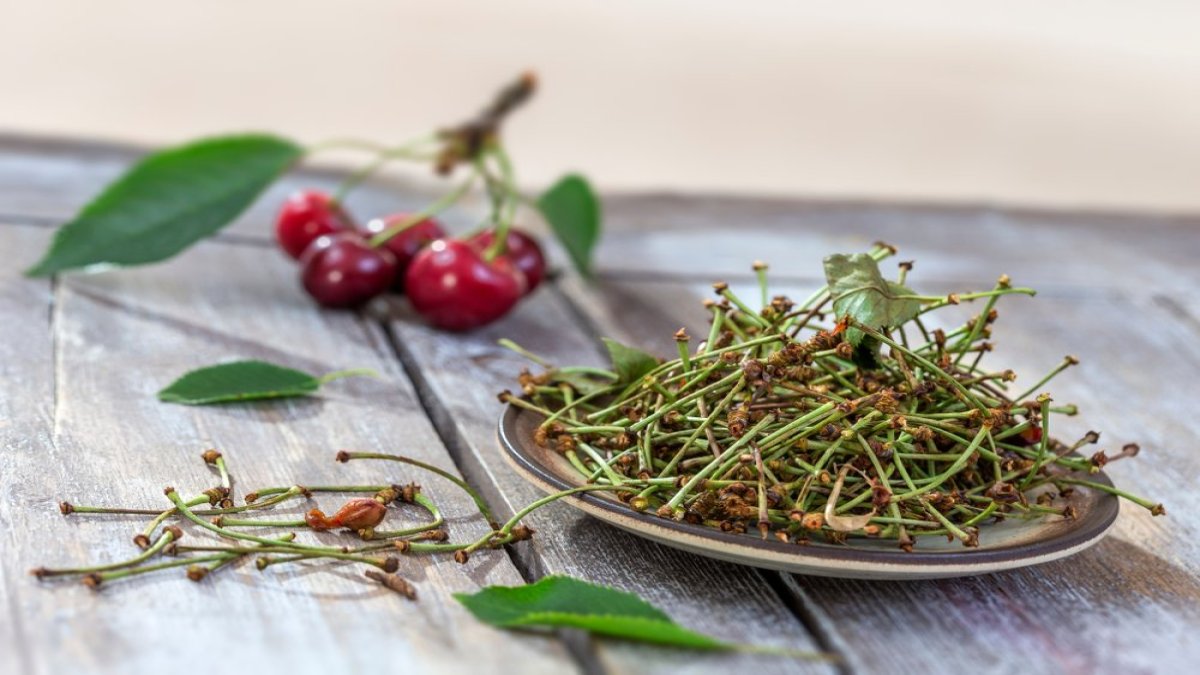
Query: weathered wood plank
(461, 374)
(26, 396)
(697, 236)
(1054, 611)
(121, 336)
(707, 238)
(1126, 605)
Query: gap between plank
(581, 648)
(1178, 309)
(812, 616)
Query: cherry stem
(352, 372)
(433, 209)
(384, 156)
(163, 540)
(1067, 362)
(513, 346)
(486, 512)
(506, 206)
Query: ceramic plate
(1002, 546)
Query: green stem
(432, 210)
(163, 540)
(352, 372)
(480, 503)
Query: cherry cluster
(454, 283)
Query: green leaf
(629, 364)
(866, 354)
(245, 381)
(583, 383)
(573, 212)
(860, 292)
(168, 201)
(565, 602)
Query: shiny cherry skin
(406, 245)
(342, 270)
(454, 288)
(305, 216)
(524, 252)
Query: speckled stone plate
(1002, 546)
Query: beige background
(1090, 103)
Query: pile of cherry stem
(273, 541)
(776, 421)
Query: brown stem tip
(394, 583)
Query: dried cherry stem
(978, 324)
(265, 548)
(96, 579)
(142, 539)
(186, 512)
(198, 572)
(67, 508)
(171, 534)
(438, 521)
(1043, 443)
(969, 539)
(938, 302)
(731, 451)
(419, 499)
(480, 503)
(928, 366)
(1067, 362)
(1155, 508)
(505, 531)
(214, 458)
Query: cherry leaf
(168, 201)
(571, 208)
(629, 364)
(860, 292)
(565, 602)
(245, 381)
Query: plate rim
(816, 557)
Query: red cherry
(522, 249)
(304, 217)
(1032, 435)
(406, 245)
(342, 270)
(453, 287)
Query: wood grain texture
(101, 437)
(1116, 292)
(707, 238)
(26, 411)
(460, 376)
(1126, 605)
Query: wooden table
(82, 355)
